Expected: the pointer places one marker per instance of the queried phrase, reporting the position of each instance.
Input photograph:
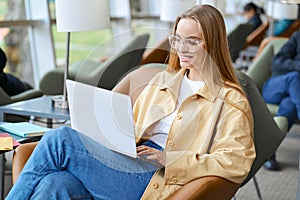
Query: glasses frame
(183, 43)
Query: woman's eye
(192, 42)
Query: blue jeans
(284, 90)
(61, 167)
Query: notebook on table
(103, 115)
(23, 129)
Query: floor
(281, 185)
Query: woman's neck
(194, 75)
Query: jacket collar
(173, 83)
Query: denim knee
(288, 110)
(58, 138)
(293, 79)
(60, 132)
(60, 185)
(293, 75)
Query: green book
(24, 129)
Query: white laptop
(102, 115)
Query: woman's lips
(185, 58)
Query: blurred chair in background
(237, 39)
(104, 75)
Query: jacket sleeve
(288, 58)
(231, 155)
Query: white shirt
(188, 88)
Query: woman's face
(190, 45)
(249, 14)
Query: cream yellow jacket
(232, 152)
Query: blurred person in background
(283, 87)
(252, 12)
(8, 82)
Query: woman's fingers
(142, 150)
(151, 154)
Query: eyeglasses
(189, 45)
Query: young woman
(175, 117)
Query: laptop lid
(103, 115)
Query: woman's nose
(181, 47)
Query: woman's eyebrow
(194, 37)
(189, 37)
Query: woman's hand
(152, 154)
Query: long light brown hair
(214, 34)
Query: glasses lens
(191, 45)
(173, 40)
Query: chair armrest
(20, 157)
(264, 43)
(206, 188)
(28, 94)
(4, 98)
(256, 36)
(135, 81)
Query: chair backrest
(107, 74)
(52, 83)
(257, 36)
(91, 72)
(237, 39)
(158, 54)
(260, 70)
(267, 135)
(135, 81)
(291, 29)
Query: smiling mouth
(185, 58)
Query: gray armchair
(260, 70)
(266, 127)
(104, 75)
(209, 187)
